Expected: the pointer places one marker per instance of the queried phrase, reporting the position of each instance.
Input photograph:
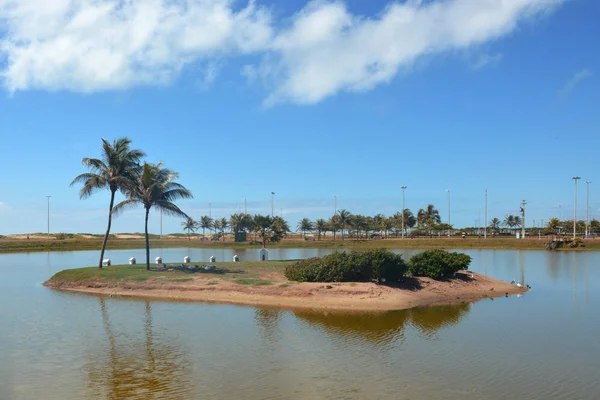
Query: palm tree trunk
(112, 202)
(147, 241)
(342, 231)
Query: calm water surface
(543, 345)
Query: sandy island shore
(414, 292)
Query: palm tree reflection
(136, 366)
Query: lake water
(543, 345)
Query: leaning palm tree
(112, 171)
(154, 185)
(189, 225)
(223, 225)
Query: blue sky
(306, 99)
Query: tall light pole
(485, 218)
(209, 210)
(161, 223)
(272, 204)
(587, 209)
(245, 206)
(523, 203)
(448, 191)
(334, 204)
(575, 178)
(403, 188)
(48, 216)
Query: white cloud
(576, 80)
(327, 50)
(324, 49)
(94, 45)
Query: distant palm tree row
(343, 222)
(148, 185)
(265, 227)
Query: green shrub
(438, 264)
(356, 266)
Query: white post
(403, 188)
(485, 218)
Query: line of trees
(344, 223)
(147, 185)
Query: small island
(264, 283)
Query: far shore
(60, 242)
(263, 284)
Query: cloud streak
(323, 49)
(575, 80)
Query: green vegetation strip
(240, 272)
(20, 245)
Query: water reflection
(135, 366)
(388, 327)
(267, 320)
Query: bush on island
(379, 264)
(438, 264)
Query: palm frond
(125, 205)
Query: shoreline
(362, 297)
(38, 244)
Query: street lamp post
(48, 216)
(575, 178)
(209, 210)
(523, 203)
(587, 210)
(485, 218)
(245, 206)
(403, 188)
(448, 191)
(272, 204)
(334, 204)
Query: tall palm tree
(343, 218)
(206, 222)
(428, 217)
(509, 221)
(154, 185)
(304, 225)
(495, 224)
(321, 227)
(112, 171)
(189, 225)
(223, 225)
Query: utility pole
(245, 206)
(587, 210)
(272, 204)
(334, 204)
(209, 210)
(403, 188)
(48, 216)
(575, 178)
(523, 203)
(485, 218)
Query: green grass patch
(253, 281)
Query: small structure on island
(158, 260)
(212, 259)
(236, 258)
(186, 259)
(132, 261)
(263, 254)
(106, 262)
